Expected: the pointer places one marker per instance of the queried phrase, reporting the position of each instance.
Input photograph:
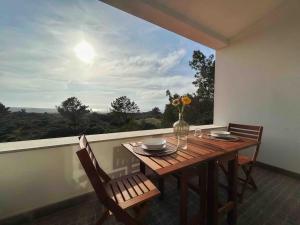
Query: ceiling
(210, 22)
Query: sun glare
(85, 52)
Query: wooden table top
(198, 150)
(228, 146)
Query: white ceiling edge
(170, 20)
(155, 12)
(272, 17)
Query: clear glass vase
(181, 131)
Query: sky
(52, 50)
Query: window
(88, 53)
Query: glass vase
(181, 131)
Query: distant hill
(139, 115)
(33, 110)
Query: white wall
(258, 82)
(36, 178)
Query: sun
(85, 52)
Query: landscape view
(108, 72)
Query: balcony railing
(38, 173)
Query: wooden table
(183, 162)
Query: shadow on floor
(277, 202)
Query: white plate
(220, 133)
(153, 148)
(227, 138)
(154, 143)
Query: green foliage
(170, 114)
(149, 122)
(155, 112)
(140, 124)
(200, 111)
(3, 109)
(17, 126)
(73, 110)
(23, 111)
(123, 106)
(148, 125)
(197, 113)
(205, 74)
(98, 123)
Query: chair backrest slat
(248, 131)
(92, 174)
(84, 144)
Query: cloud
(171, 60)
(140, 64)
(133, 57)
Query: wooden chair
(117, 195)
(245, 162)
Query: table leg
(183, 199)
(232, 190)
(203, 193)
(212, 193)
(200, 218)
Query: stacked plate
(224, 135)
(220, 134)
(154, 144)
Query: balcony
(46, 180)
(257, 82)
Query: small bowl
(156, 148)
(154, 142)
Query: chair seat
(131, 190)
(243, 160)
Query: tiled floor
(277, 202)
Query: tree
(201, 109)
(123, 106)
(205, 74)
(156, 112)
(170, 114)
(3, 109)
(73, 110)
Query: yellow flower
(186, 100)
(176, 102)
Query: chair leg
(161, 187)
(244, 186)
(221, 165)
(245, 182)
(203, 192)
(232, 191)
(252, 182)
(223, 169)
(242, 181)
(104, 216)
